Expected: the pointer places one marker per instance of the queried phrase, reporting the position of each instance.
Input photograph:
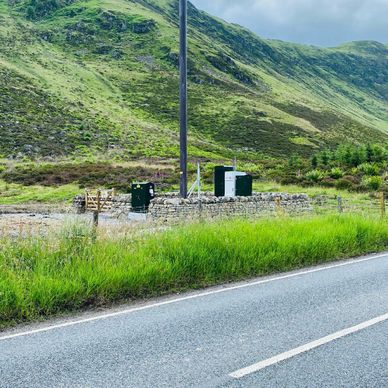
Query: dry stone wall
(121, 205)
(171, 208)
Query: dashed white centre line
(306, 348)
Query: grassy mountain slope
(99, 76)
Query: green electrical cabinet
(142, 194)
(219, 179)
(244, 186)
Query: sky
(319, 22)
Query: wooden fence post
(382, 204)
(278, 206)
(340, 205)
(86, 199)
(97, 212)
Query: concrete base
(140, 217)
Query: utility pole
(183, 97)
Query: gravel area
(42, 223)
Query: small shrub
(336, 173)
(40, 8)
(328, 182)
(369, 169)
(344, 184)
(255, 169)
(315, 176)
(291, 179)
(372, 183)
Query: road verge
(42, 277)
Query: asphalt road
(320, 327)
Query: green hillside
(101, 77)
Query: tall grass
(43, 277)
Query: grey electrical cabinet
(142, 194)
(219, 179)
(231, 183)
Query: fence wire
(374, 206)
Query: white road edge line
(306, 348)
(189, 297)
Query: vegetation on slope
(97, 77)
(39, 278)
(14, 194)
(357, 168)
(89, 174)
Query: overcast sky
(319, 22)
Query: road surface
(320, 327)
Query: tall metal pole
(183, 97)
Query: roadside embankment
(73, 270)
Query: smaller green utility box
(244, 185)
(142, 194)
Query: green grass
(44, 277)
(312, 191)
(13, 194)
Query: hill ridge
(97, 77)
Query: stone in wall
(79, 204)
